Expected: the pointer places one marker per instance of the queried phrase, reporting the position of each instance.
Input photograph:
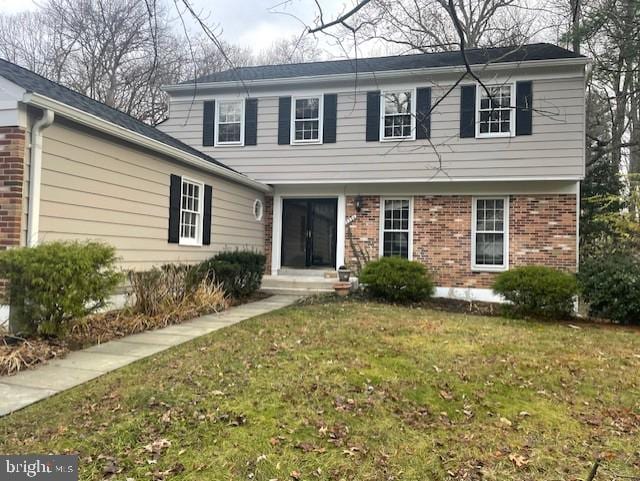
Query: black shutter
(524, 108)
(284, 121)
(373, 116)
(251, 122)
(208, 123)
(423, 114)
(175, 191)
(206, 216)
(330, 115)
(468, 111)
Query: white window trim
(217, 143)
(381, 229)
(512, 117)
(505, 244)
(292, 134)
(187, 241)
(413, 115)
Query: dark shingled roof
(537, 51)
(35, 83)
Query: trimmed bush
(537, 291)
(610, 284)
(239, 272)
(54, 283)
(395, 279)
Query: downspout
(35, 171)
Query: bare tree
(426, 25)
(296, 49)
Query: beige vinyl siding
(95, 187)
(555, 150)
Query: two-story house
(405, 156)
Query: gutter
(375, 76)
(110, 128)
(35, 172)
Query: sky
(251, 23)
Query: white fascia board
(110, 128)
(10, 113)
(427, 180)
(380, 75)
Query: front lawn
(358, 391)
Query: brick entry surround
(542, 230)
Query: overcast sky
(252, 23)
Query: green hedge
(239, 272)
(54, 283)
(610, 284)
(395, 279)
(537, 291)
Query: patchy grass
(358, 391)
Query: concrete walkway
(78, 367)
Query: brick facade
(362, 230)
(268, 231)
(12, 153)
(542, 230)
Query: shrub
(610, 284)
(163, 288)
(395, 279)
(537, 291)
(54, 283)
(239, 272)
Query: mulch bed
(18, 354)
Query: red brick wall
(12, 152)
(542, 230)
(361, 235)
(268, 231)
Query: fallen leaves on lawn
(110, 466)
(518, 460)
(157, 447)
(446, 395)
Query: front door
(309, 232)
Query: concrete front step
(301, 285)
(323, 273)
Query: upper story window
(495, 115)
(398, 115)
(306, 124)
(490, 233)
(191, 212)
(229, 122)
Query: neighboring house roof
(537, 51)
(34, 83)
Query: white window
(396, 228)
(230, 122)
(258, 209)
(191, 202)
(306, 121)
(398, 115)
(490, 233)
(495, 116)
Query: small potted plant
(343, 274)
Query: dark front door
(309, 232)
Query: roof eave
(97, 123)
(389, 74)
